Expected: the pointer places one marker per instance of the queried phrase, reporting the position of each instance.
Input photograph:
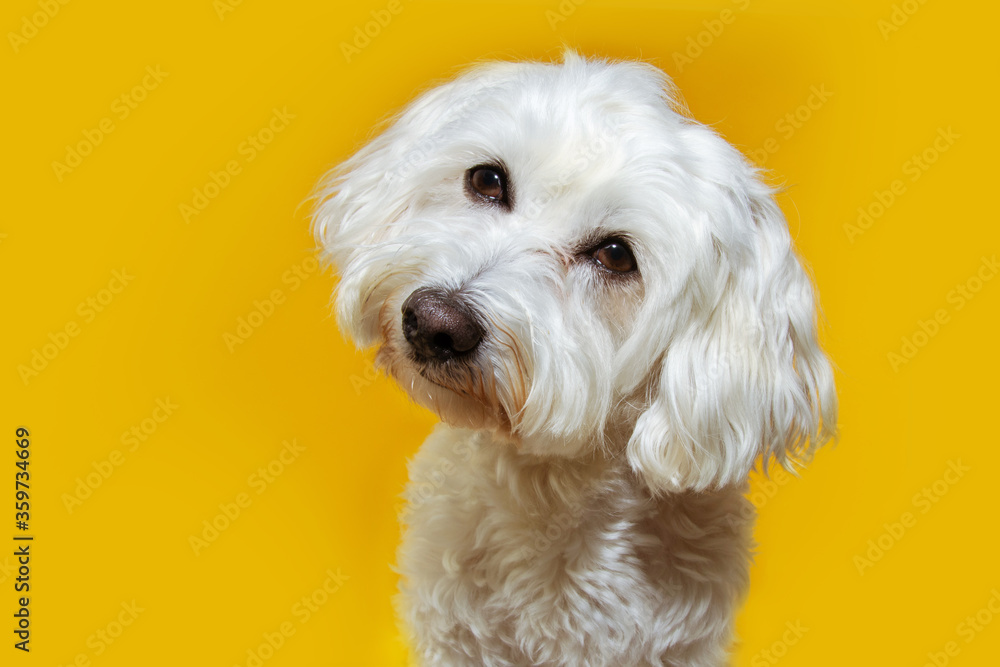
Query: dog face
(557, 253)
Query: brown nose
(437, 327)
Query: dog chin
(433, 393)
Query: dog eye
(614, 255)
(489, 182)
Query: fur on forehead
(721, 362)
(615, 130)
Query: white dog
(600, 299)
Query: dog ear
(357, 203)
(347, 218)
(744, 375)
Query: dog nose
(437, 327)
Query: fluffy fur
(583, 502)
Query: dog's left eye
(614, 255)
(489, 182)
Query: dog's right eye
(489, 182)
(614, 255)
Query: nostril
(443, 341)
(464, 335)
(409, 323)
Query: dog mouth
(458, 375)
(447, 381)
(457, 391)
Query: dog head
(558, 253)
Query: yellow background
(333, 507)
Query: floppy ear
(744, 375)
(357, 204)
(347, 218)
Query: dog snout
(438, 327)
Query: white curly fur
(583, 502)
